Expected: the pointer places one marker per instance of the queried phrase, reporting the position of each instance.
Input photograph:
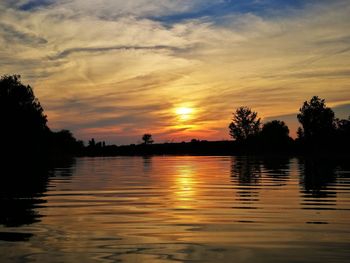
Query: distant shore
(27, 138)
(205, 148)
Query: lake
(178, 209)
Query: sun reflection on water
(185, 186)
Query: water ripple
(181, 208)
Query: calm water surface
(168, 209)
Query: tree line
(320, 131)
(25, 133)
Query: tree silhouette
(63, 142)
(343, 127)
(275, 134)
(317, 120)
(23, 123)
(244, 124)
(342, 141)
(147, 138)
(92, 143)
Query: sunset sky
(116, 69)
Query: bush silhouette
(64, 143)
(275, 135)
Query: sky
(178, 69)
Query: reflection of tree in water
(64, 167)
(21, 192)
(277, 166)
(316, 176)
(246, 173)
(251, 174)
(246, 170)
(147, 163)
(276, 169)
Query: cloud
(123, 66)
(67, 52)
(110, 9)
(11, 34)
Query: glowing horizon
(114, 70)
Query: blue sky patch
(34, 4)
(218, 9)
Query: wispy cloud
(123, 66)
(67, 52)
(11, 34)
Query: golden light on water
(185, 187)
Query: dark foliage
(342, 135)
(23, 124)
(317, 120)
(274, 136)
(245, 124)
(24, 132)
(321, 132)
(64, 143)
(96, 148)
(147, 138)
(275, 130)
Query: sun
(184, 113)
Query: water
(179, 209)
